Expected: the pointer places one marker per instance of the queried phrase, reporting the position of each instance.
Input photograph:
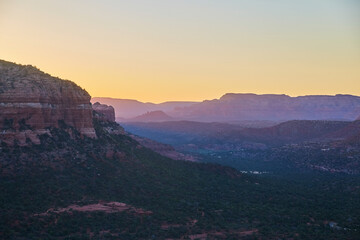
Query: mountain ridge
(129, 108)
(233, 107)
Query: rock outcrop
(106, 112)
(32, 101)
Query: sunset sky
(161, 50)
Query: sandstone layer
(32, 101)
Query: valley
(318, 145)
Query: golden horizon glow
(156, 51)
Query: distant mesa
(105, 112)
(32, 101)
(153, 116)
(235, 107)
(272, 107)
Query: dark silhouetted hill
(154, 116)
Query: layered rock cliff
(32, 101)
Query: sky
(188, 50)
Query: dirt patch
(246, 233)
(191, 223)
(109, 207)
(166, 226)
(202, 236)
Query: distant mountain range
(127, 108)
(246, 107)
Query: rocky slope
(32, 101)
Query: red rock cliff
(31, 101)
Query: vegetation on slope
(185, 198)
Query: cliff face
(106, 112)
(32, 101)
